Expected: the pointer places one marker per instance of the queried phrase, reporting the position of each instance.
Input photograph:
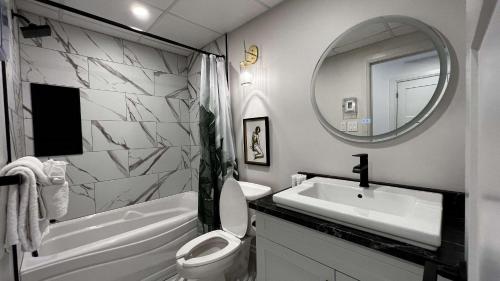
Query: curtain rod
(123, 26)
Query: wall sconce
(250, 57)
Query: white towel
(21, 223)
(54, 200)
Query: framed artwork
(256, 137)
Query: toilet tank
(253, 191)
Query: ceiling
(368, 34)
(191, 22)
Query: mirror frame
(443, 49)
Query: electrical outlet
(343, 126)
(352, 126)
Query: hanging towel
(54, 201)
(21, 224)
(54, 198)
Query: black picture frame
(261, 155)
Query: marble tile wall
(136, 110)
(14, 94)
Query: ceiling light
(140, 11)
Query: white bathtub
(133, 243)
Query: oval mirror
(380, 79)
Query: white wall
(483, 149)
(292, 37)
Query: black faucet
(362, 169)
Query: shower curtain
(218, 156)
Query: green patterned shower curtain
(218, 156)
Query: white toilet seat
(186, 260)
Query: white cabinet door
(277, 263)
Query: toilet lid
(233, 209)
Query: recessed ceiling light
(140, 11)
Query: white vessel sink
(406, 215)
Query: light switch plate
(352, 126)
(343, 126)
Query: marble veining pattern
(111, 76)
(174, 182)
(108, 135)
(173, 134)
(147, 57)
(102, 105)
(136, 107)
(171, 86)
(91, 167)
(40, 65)
(154, 160)
(125, 192)
(147, 108)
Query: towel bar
(6, 181)
(10, 180)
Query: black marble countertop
(448, 258)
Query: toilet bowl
(210, 255)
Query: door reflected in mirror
(380, 79)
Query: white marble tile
(102, 105)
(186, 159)
(171, 86)
(147, 108)
(52, 67)
(17, 138)
(174, 182)
(195, 157)
(172, 134)
(76, 40)
(154, 160)
(147, 57)
(26, 90)
(182, 65)
(28, 137)
(195, 179)
(107, 135)
(81, 201)
(194, 63)
(125, 192)
(194, 85)
(14, 91)
(194, 128)
(105, 75)
(194, 110)
(184, 106)
(92, 167)
(87, 135)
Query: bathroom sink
(253, 191)
(406, 215)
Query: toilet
(210, 255)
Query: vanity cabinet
(291, 252)
(278, 263)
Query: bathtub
(133, 243)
